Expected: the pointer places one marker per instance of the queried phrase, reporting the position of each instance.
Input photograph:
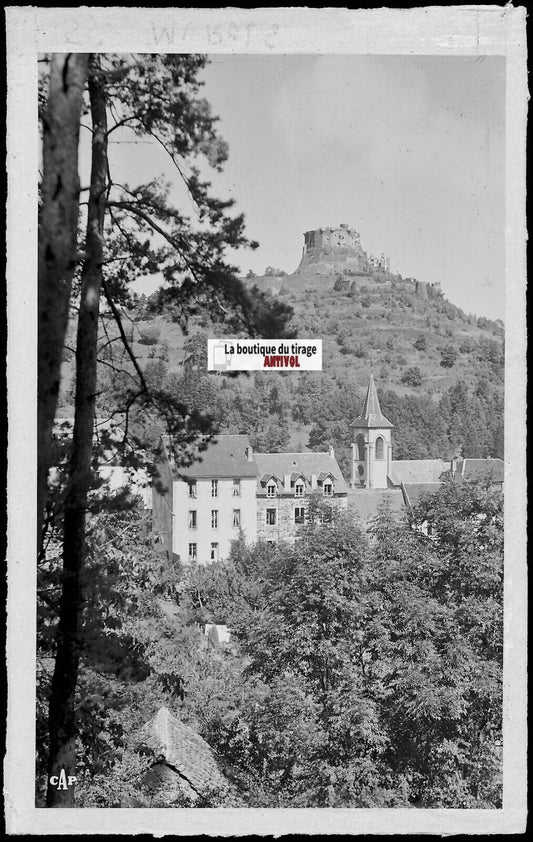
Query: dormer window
(271, 489)
(299, 489)
(328, 488)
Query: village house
(286, 482)
(198, 511)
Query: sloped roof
(307, 464)
(184, 750)
(493, 469)
(365, 502)
(225, 456)
(268, 476)
(371, 416)
(414, 491)
(417, 470)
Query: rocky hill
(371, 318)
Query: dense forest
(364, 667)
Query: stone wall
(285, 528)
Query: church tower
(372, 446)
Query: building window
(328, 489)
(299, 489)
(236, 518)
(271, 517)
(236, 488)
(326, 514)
(192, 489)
(360, 442)
(380, 449)
(192, 519)
(271, 489)
(192, 551)
(214, 519)
(214, 488)
(214, 552)
(299, 514)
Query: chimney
(249, 453)
(331, 451)
(453, 467)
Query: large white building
(200, 510)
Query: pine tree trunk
(62, 718)
(57, 240)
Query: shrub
(448, 356)
(467, 346)
(149, 335)
(412, 377)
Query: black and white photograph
(237, 593)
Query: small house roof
(365, 502)
(493, 469)
(184, 750)
(414, 491)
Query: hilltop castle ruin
(333, 258)
(328, 251)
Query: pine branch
(130, 353)
(128, 206)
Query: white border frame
(455, 30)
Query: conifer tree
(130, 230)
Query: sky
(408, 150)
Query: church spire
(371, 415)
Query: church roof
(371, 415)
